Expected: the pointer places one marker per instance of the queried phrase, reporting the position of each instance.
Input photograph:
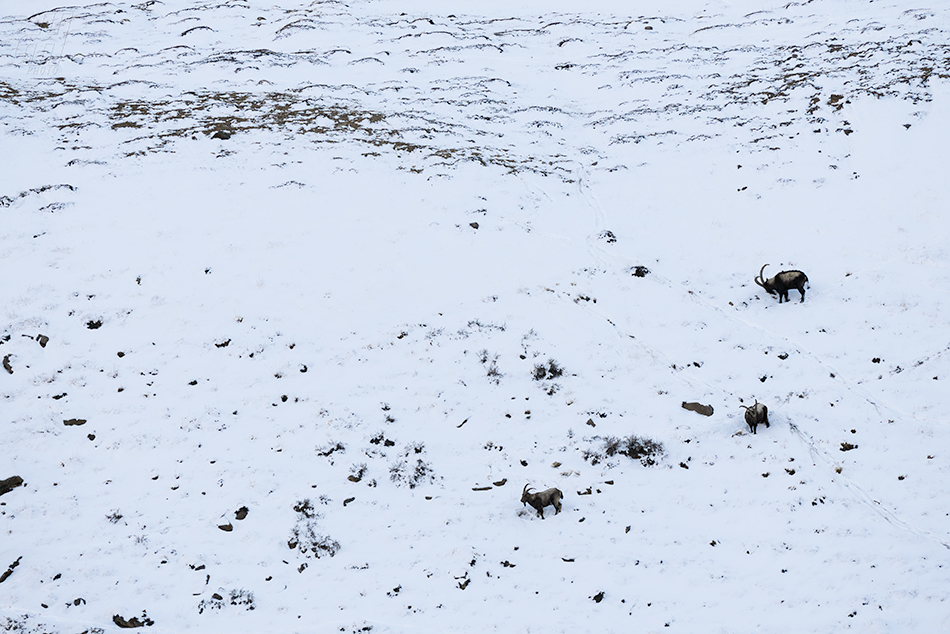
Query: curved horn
(745, 406)
(761, 280)
(525, 490)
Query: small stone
(74, 421)
(227, 528)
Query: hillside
(297, 299)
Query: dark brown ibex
(782, 283)
(550, 497)
(756, 414)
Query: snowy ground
(329, 330)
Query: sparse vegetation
(647, 451)
(236, 597)
(330, 449)
(304, 536)
(357, 472)
(407, 473)
(491, 361)
(547, 371)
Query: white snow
(333, 318)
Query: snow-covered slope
(295, 379)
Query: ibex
(782, 283)
(551, 497)
(756, 414)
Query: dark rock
(9, 570)
(93, 324)
(473, 225)
(227, 528)
(241, 513)
(224, 135)
(74, 421)
(133, 622)
(9, 484)
(6, 364)
(43, 340)
(699, 408)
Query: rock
(227, 528)
(9, 484)
(43, 340)
(241, 513)
(9, 571)
(74, 421)
(705, 410)
(473, 225)
(501, 482)
(224, 135)
(133, 622)
(6, 364)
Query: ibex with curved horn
(756, 414)
(782, 283)
(551, 497)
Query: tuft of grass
(548, 371)
(647, 451)
(304, 536)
